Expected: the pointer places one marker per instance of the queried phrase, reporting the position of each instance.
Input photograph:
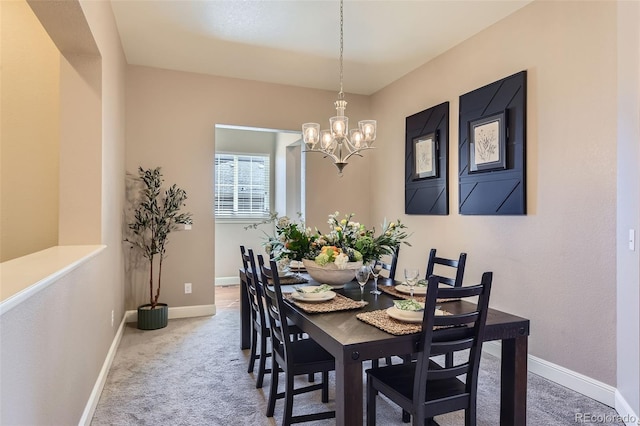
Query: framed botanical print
(488, 143)
(425, 156)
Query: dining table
(352, 341)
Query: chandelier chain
(339, 142)
(341, 94)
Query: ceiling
(297, 42)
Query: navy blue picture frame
(427, 195)
(494, 189)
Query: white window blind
(241, 185)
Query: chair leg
(312, 377)
(325, 386)
(263, 360)
(448, 360)
(406, 417)
(288, 401)
(470, 414)
(273, 389)
(388, 360)
(252, 355)
(375, 363)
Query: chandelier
(338, 142)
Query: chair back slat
(464, 338)
(392, 265)
(455, 320)
(439, 348)
(458, 265)
(448, 373)
(254, 287)
(280, 334)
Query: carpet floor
(193, 372)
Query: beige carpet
(194, 373)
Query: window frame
(237, 214)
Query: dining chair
(457, 265)
(391, 267)
(392, 264)
(293, 357)
(454, 281)
(259, 325)
(423, 387)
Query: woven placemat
(391, 290)
(384, 322)
(338, 303)
(293, 279)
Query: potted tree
(155, 215)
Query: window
(242, 185)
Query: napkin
(408, 305)
(319, 289)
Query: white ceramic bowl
(330, 273)
(309, 293)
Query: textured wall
(30, 134)
(556, 265)
(55, 343)
(628, 314)
(170, 123)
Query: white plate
(321, 297)
(404, 288)
(406, 316)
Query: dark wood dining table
(352, 341)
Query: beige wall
(556, 265)
(30, 134)
(55, 343)
(628, 215)
(170, 123)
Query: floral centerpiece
(346, 246)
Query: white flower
(341, 261)
(283, 263)
(283, 222)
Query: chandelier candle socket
(339, 143)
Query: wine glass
(362, 275)
(375, 268)
(411, 276)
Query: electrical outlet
(112, 318)
(187, 288)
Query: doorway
(274, 155)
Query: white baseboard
(92, 403)
(628, 416)
(580, 383)
(227, 280)
(179, 312)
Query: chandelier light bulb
(356, 138)
(339, 126)
(368, 129)
(311, 134)
(327, 140)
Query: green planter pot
(153, 319)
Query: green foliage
(156, 214)
(293, 241)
